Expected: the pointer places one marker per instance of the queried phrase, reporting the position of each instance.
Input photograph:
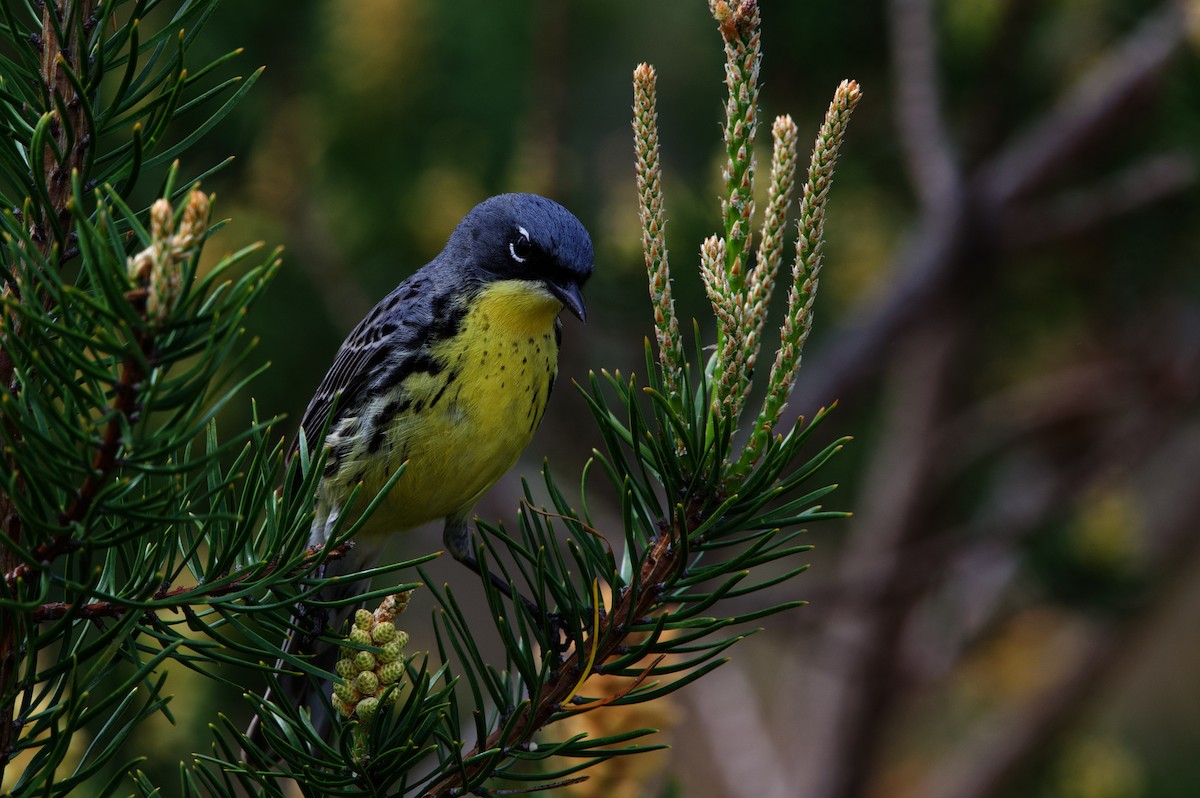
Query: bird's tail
(308, 624)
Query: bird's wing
(398, 323)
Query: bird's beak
(572, 298)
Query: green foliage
(133, 533)
(136, 537)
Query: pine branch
(61, 155)
(86, 358)
(156, 274)
(70, 136)
(169, 599)
(608, 639)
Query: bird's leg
(456, 536)
(311, 620)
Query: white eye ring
(523, 241)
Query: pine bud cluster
(366, 674)
(157, 269)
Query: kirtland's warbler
(449, 375)
(451, 372)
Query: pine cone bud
(383, 632)
(367, 683)
(366, 708)
(346, 692)
(392, 651)
(364, 661)
(390, 672)
(363, 673)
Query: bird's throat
(515, 308)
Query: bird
(451, 372)
(448, 376)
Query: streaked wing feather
(397, 323)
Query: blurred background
(1008, 319)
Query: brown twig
(995, 101)
(1077, 212)
(71, 133)
(43, 555)
(929, 155)
(1041, 484)
(863, 636)
(1122, 410)
(1099, 101)
(123, 413)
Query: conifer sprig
(740, 292)
(739, 23)
(806, 269)
(131, 533)
(761, 281)
(654, 224)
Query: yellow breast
(469, 423)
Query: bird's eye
(520, 247)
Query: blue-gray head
(527, 237)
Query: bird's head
(527, 237)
